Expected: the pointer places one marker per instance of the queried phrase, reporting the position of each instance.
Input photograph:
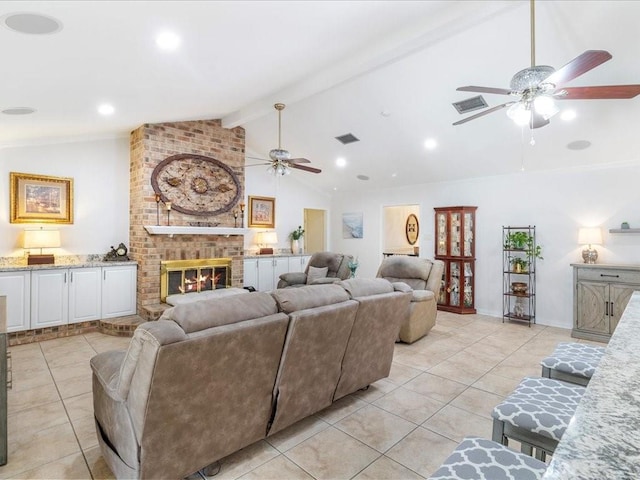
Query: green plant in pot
(295, 236)
(520, 264)
(518, 241)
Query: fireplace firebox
(191, 276)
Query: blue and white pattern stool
(572, 362)
(536, 414)
(479, 459)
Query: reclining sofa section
(214, 376)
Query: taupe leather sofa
(424, 276)
(214, 376)
(337, 268)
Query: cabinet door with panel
(49, 298)
(85, 294)
(592, 307)
(16, 286)
(250, 278)
(118, 291)
(619, 296)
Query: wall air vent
(470, 104)
(347, 138)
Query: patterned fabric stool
(479, 459)
(572, 362)
(536, 414)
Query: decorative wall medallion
(412, 229)
(196, 185)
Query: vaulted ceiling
(386, 72)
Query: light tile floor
(441, 388)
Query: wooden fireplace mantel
(187, 230)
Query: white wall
(293, 194)
(557, 203)
(100, 172)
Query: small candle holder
(168, 205)
(157, 210)
(242, 205)
(235, 219)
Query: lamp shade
(590, 236)
(266, 238)
(41, 238)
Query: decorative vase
(295, 246)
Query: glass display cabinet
(455, 246)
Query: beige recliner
(424, 277)
(337, 268)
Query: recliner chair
(424, 277)
(337, 265)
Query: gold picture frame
(40, 198)
(412, 229)
(262, 212)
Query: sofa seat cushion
(309, 296)
(182, 298)
(214, 312)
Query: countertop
(17, 264)
(277, 255)
(603, 438)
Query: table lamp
(588, 237)
(41, 239)
(266, 238)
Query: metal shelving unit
(519, 300)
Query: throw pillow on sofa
(315, 273)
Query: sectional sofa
(211, 377)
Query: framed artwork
(40, 198)
(412, 229)
(262, 212)
(352, 225)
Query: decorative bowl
(519, 288)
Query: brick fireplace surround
(150, 144)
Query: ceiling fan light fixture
(279, 169)
(279, 154)
(520, 114)
(545, 106)
(530, 77)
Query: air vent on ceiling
(347, 138)
(470, 104)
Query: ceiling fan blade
(537, 120)
(599, 92)
(298, 160)
(305, 168)
(471, 88)
(482, 114)
(579, 65)
(257, 158)
(258, 164)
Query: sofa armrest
(106, 368)
(292, 278)
(401, 287)
(422, 296)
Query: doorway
(315, 230)
(401, 234)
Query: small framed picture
(40, 198)
(412, 229)
(262, 212)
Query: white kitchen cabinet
(119, 291)
(16, 286)
(49, 298)
(298, 263)
(251, 273)
(264, 273)
(85, 294)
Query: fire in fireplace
(191, 276)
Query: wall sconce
(41, 239)
(266, 238)
(588, 237)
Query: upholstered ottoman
(536, 414)
(572, 362)
(479, 459)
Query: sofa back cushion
(214, 312)
(311, 296)
(312, 357)
(362, 287)
(216, 384)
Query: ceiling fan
(538, 86)
(281, 162)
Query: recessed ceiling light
(385, 113)
(168, 41)
(335, 188)
(106, 109)
(362, 177)
(394, 175)
(31, 23)
(568, 115)
(18, 111)
(341, 162)
(430, 143)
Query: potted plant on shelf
(295, 236)
(520, 264)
